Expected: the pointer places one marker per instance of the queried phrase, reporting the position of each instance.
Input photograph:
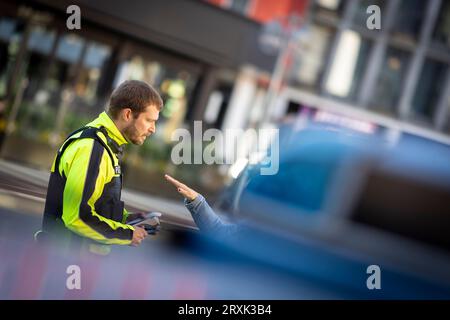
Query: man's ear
(127, 114)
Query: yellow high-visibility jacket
(85, 185)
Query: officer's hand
(183, 189)
(139, 234)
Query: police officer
(83, 205)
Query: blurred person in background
(83, 209)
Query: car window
(303, 184)
(407, 205)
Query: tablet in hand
(151, 218)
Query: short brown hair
(133, 94)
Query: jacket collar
(104, 120)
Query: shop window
(428, 89)
(7, 28)
(309, 63)
(69, 48)
(348, 66)
(10, 36)
(96, 57)
(390, 81)
(41, 40)
(442, 29)
(409, 18)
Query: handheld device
(150, 222)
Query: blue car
(350, 213)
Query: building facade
(54, 79)
(396, 75)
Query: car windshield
(302, 184)
(304, 179)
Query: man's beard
(131, 134)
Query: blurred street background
(244, 64)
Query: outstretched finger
(175, 182)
